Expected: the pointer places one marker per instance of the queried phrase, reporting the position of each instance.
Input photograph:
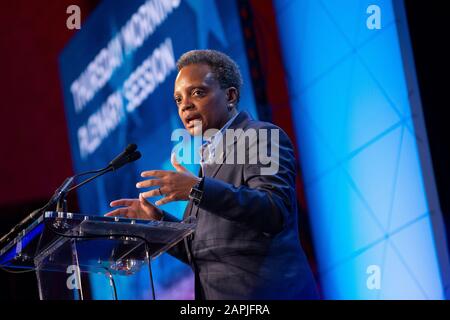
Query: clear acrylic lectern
(64, 248)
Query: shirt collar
(221, 131)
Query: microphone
(128, 155)
(62, 190)
(120, 158)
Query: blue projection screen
(356, 116)
(118, 73)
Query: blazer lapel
(211, 170)
(238, 123)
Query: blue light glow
(359, 154)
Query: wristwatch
(196, 192)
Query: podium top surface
(100, 242)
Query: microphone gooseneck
(130, 154)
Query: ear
(232, 95)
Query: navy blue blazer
(246, 244)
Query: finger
(118, 212)
(143, 200)
(155, 173)
(149, 183)
(152, 193)
(164, 200)
(122, 202)
(176, 164)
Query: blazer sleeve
(263, 201)
(179, 250)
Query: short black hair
(224, 69)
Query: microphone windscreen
(134, 156)
(131, 147)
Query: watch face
(195, 195)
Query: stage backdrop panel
(117, 76)
(375, 218)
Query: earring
(230, 106)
